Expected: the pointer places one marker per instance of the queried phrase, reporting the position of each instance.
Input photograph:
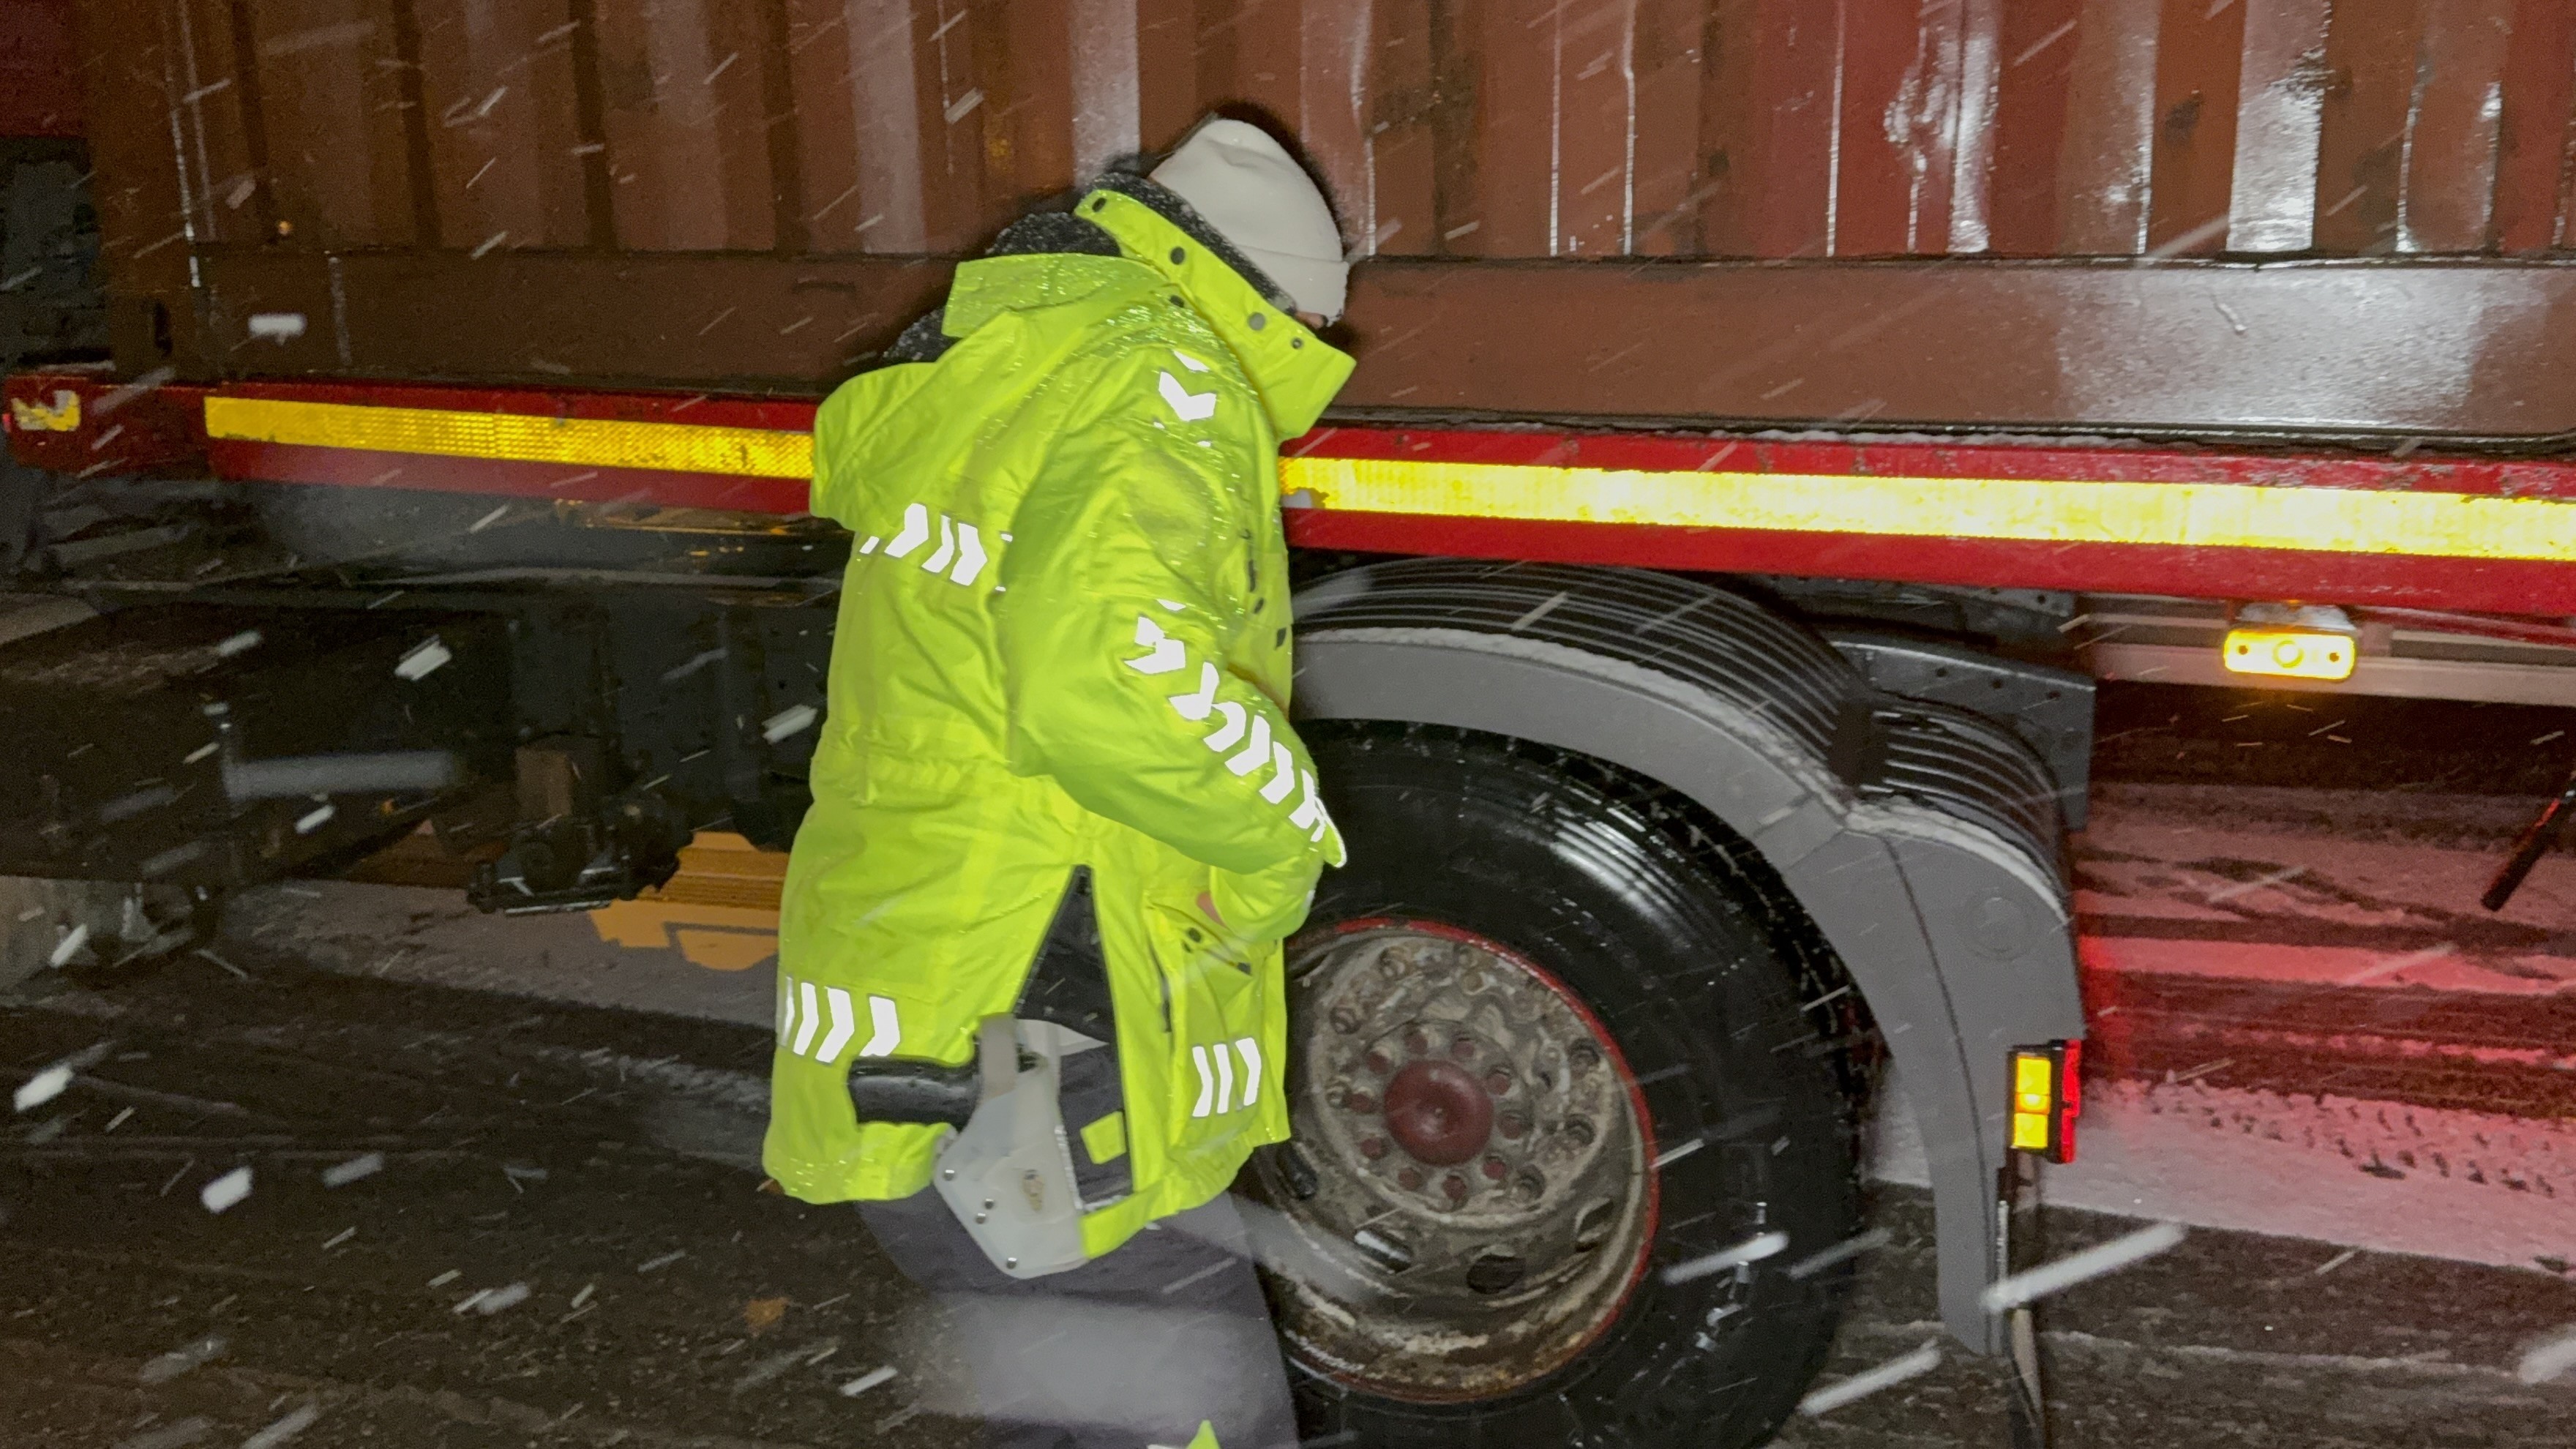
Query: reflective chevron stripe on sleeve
(1222, 738)
(960, 544)
(1236, 726)
(1196, 707)
(1256, 753)
(1168, 653)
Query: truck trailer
(1772, 419)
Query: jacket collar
(1292, 369)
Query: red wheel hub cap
(1438, 1112)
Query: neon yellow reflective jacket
(1062, 642)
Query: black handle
(2534, 844)
(915, 1092)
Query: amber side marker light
(2046, 1099)
(2289, 653)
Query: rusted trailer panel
(1915, 202)
(39, 71)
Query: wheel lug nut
(1416, 1041)
(1531, 1187)
(1582, 1057)
(1345, 1020)
(1498, 1081)
(1494, 1169)
(1515, 1126)
(1411, 1177)
(1463, 1048)
(1359, 1102)
(1580, 1130)
(1379, 1063)
(1372, 1148)
(1473, 980)
(1455, 1186)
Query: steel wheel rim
(1443, 1248)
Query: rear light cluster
(2047, 1097)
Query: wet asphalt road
(601, 1159)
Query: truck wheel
(1547, 1047)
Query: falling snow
(341, 1174)
(227, 1191)
(1751, 1250)
(43, 1087)
(2064, 1273)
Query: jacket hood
(1295, 372)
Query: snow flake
(161, 1368)
(1860, 1385)
(2066, 1272)
(341, 1174)
(794, 719)
(422, 659)
(43, 1087)
(226, 1191)
(867, 1381)
(1751, 1250)
(296, 1421)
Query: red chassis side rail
(2474, 534)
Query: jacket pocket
(1225, 1034)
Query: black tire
(1696, 963)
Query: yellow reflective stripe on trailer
(2191, 515)
(514, 437)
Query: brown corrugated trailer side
(2083, 215)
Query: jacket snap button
(1179, 256)
(1258, 321)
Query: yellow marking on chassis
(514, 437)
(2190, 515)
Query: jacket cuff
(1269, 906)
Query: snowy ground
(584, 1171)
(555, 1096)
(2389, 1177)
(2283, 903)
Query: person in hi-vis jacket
(1057, 759)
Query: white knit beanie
(1258, 198)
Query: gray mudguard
(1923, 840)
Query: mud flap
(2018, 1247)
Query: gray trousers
(1126, 1351)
